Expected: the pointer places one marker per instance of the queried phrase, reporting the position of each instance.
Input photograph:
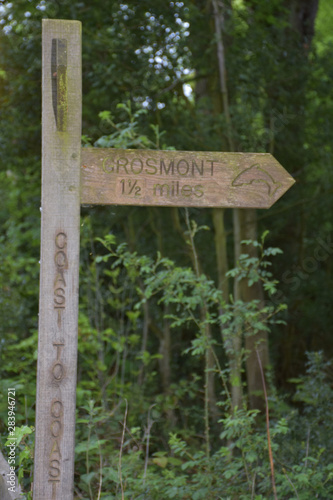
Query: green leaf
(87, 478)
(20, 433)
(161, 461)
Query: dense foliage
(163, 348)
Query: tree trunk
(221, 251)
(164, 363)
(245, 223)
(145, 329)
(233, 345)
(209, 358)
(302, 16)
(296, 42)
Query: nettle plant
(192, 301)
(235, 462)
(120, 454)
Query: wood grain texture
(6, 476)
(58, 309)
(181, 178)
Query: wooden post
(181, 178)
(59, 278)
(161, 178)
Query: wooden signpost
(70, 177)
(181, 178)
(59, 274)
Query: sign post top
(181, 178)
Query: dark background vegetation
(147, 55)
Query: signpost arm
(59, 278)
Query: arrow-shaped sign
(181, 178)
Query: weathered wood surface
(58, 310)
(5, 482)
(181, 178)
